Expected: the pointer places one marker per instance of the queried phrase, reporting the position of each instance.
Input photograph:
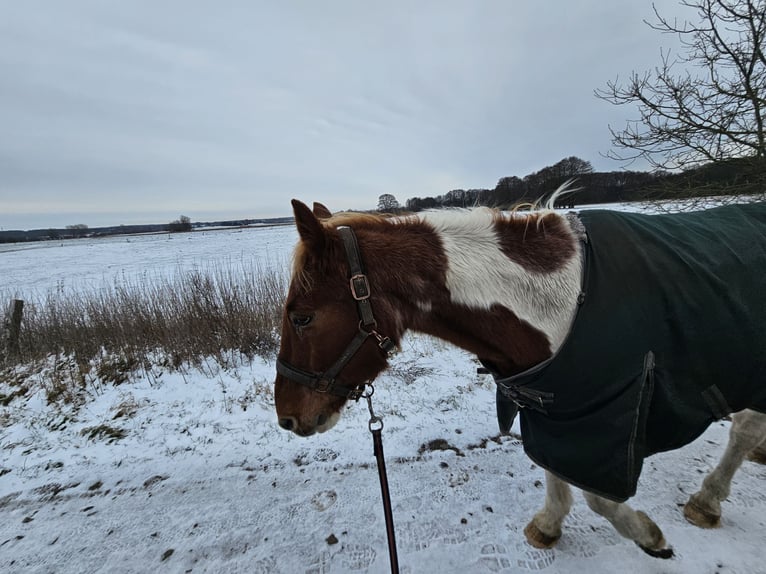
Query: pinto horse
(617, 335)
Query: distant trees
(511, 190)
(551, 177)
(596, 187)
(421, 203)
(387, 203)
(712, 111)
(183, 223)
(78, 229)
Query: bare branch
(708, 104)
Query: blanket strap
(716, 401)
(524, 397)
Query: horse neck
(502, 287)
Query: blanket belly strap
(525, 398)
(506, 411)
(716, 401)
(510, 397)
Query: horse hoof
(699, 516)
(538, 538)
(663, 553)
(656, 547)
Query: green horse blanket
(670, 335)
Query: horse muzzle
(320, 423)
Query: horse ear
(321, 211)
(309, 227)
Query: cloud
(144, 106)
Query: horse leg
(632, 524)
(748, 430)
(758, 454)
(544, 529)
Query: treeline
(75, 232)
(741, 176)
(81, 230)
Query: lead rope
(376, 427)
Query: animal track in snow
(321, 501)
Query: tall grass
(186, 318)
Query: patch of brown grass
(189, 318)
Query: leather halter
(326, 382)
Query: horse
(666, 309)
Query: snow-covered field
(37, 267)
(205, 481)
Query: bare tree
(711, 110)
(387, 203)
(183, 223)
(78, 229)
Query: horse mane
(528, 212)
(356, 219)
(549, 204)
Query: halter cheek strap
(326, 382)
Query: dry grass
(189, 318)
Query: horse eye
(301, 320)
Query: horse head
(331, 344)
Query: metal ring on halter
(374, 419)
(373, 326)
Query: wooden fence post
(13, 327)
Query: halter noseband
(360, 290)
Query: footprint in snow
(321, 501)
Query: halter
(326, 382)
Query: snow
(205, 481)
(88, 263)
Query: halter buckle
(360, 287)
(386, 344)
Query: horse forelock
(299, 275)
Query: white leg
(748, 431)
(758, 454)
(544, 530)
(632, 524)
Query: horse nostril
(321, 419)
(287, 423)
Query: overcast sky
(140, 111)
